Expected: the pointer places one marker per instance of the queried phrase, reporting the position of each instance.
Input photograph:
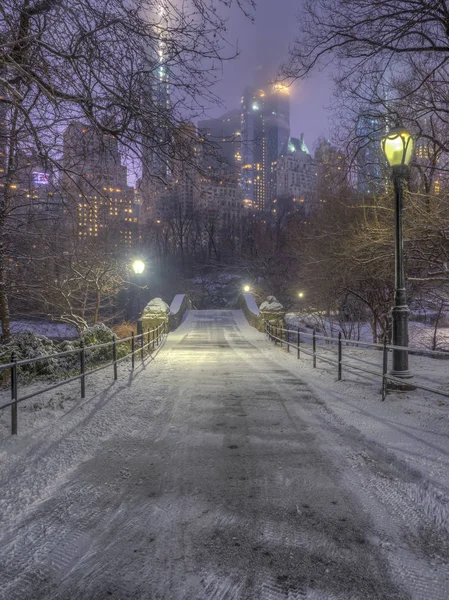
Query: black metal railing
(143, 344)
(297, 339)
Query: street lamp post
(397, 145)
(138, 268)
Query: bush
(28, 345)
(101, 334)
(125, 329)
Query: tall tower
(369, 155)
(156, 128)
(265, 128)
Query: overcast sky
(263, 47)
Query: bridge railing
(297, 339)
(142, 345)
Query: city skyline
(263, 47)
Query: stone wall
(155, 312)
(180, 305)
(248, 305)
(271, 310)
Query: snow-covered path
(215, 473)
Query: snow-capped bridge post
(273, 312)
(155, 313)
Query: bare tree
(103, 63)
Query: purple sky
(263, 47)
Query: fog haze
(263, 46)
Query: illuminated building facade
(294, 174)
(156, 145)
(222, 144)
(177, 198)
(95, 182)
(331, 169)
(432, 177)
(265, 133)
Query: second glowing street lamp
(138, 268)
(397, 146)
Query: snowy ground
(226, 469)
(421, 335)
(47, 328)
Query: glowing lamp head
(398, 147)
(246, 288)
(138, 267)
(300, 294)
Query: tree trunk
(4, 305)
(435, 330)
(97, 307)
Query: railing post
(114, 357)
(280, 335)
(287, 339)
(299, 344)
(133, 347)
(140, 337)
(148, 338)
(14, 395)
(314, 348)
(83, 369)
(384, 369)
(339, 356)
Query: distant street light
(397, 145)
(246, 288)
(138, 267)
(300, 294)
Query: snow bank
(47, 328)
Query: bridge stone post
(155, 312)
(271, 310)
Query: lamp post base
(400, 386)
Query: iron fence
(140, 344)
(294, 338)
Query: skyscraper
(221, 148)
(294, 175)
(265, 132)
(156, 147)
(95, 182)
(369, 156)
